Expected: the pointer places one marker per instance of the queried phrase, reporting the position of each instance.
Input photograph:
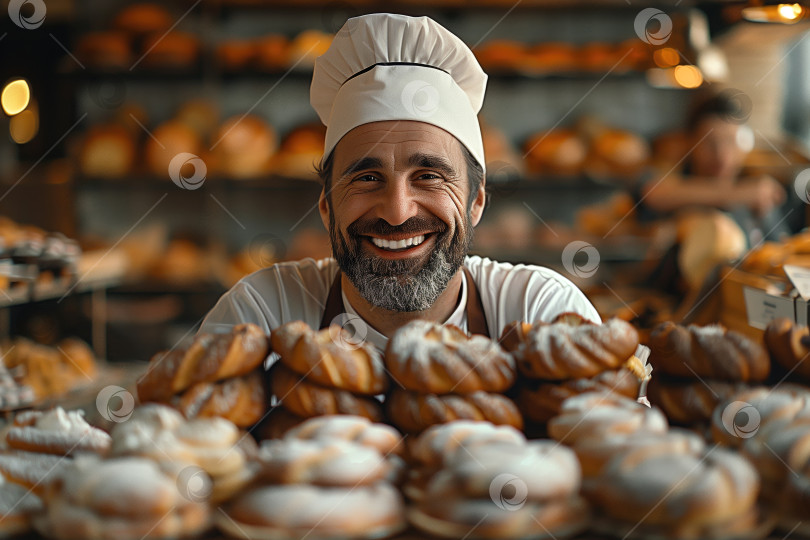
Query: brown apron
(476, 320)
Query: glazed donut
(707, 351)
(789, 346)
(759, 407)
(540, 402)
(56, 432)
(329, 463)
(307, 399)
(431, 358)
(603, 414)
(413, 412)
(683, 494)
(210, 358)
(330, 358)
(438, 443)
(564, 351)
(357, 429)
(300, 511)
(241, 400)
(687, 403)
(127, 498)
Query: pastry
(617, 154)
(301, 511)
(168, 140)
(564, 351)
(414, 412)
(740, 415)
(438, 443)
(170, 49)
(690, 402)
(242, 400)
(107, 151)
(330, 358)
(707, 351)
(602, 414)
(780, 449)
(426, 357)
(235, 54)
(555, 153)
(306, 47)
(789, 346)
(143, 18)
(308, 399)
(243, 146)
(56, 432)
(17, 506)
(541, 402)
(210, 358)
(357, 429)
(32, 470)
(126, 498)
(322, 462)
(272, 52)
(105, 50)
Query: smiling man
(403, 175)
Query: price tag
(800, 277)
(762, 307)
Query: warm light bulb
(15, 97)
(789, 11)
(688, 76)
(24, 126)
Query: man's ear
(323, 208)
(479, 203)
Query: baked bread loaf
(330, 358)
(414, 412)
(603, 414)
(242, 400)
(687, 403)
(307, 399)
(329, 463)
(540, 402)
(789, 346)
(126, 498)
(427, 357)
(56, 432)
(210, 358)
(357, 429)
(742, 414)
(563, 351)
(707, 351)
(301, 511)
(243, 147)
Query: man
(403, 174)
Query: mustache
(380, 227)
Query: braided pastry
(357, 429)
(307, 399)
(564, 351)
(517, 332)
(740, 415)
(241, 400)
(541, 402)
(687, 403)
(789, 346)
(209, 358)
(439, 442)
(329, 357)
(707, 351)
(414, 412)
(426, 357)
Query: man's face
(398, 212)
(718, 152)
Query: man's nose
(398, 203)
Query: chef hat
(394, 67)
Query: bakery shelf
(269, 182)
(39, 292)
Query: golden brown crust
(307, 399)
(431, 358)
(330, 357)
(688, 403)
(541, 402)
(563, 351)
(707, 351)
(788, 346)
(241, 400)
(413, 412)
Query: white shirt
(292, 291)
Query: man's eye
(366, 178)
(429, 176)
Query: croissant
(209, 358)
(563, 351)
(707, 351)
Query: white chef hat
(394, 67)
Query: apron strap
(476, 318)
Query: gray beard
(401, 285)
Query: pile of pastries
(25, 248)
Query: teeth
(398, 244)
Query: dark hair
(475, 173)
(731, 106)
